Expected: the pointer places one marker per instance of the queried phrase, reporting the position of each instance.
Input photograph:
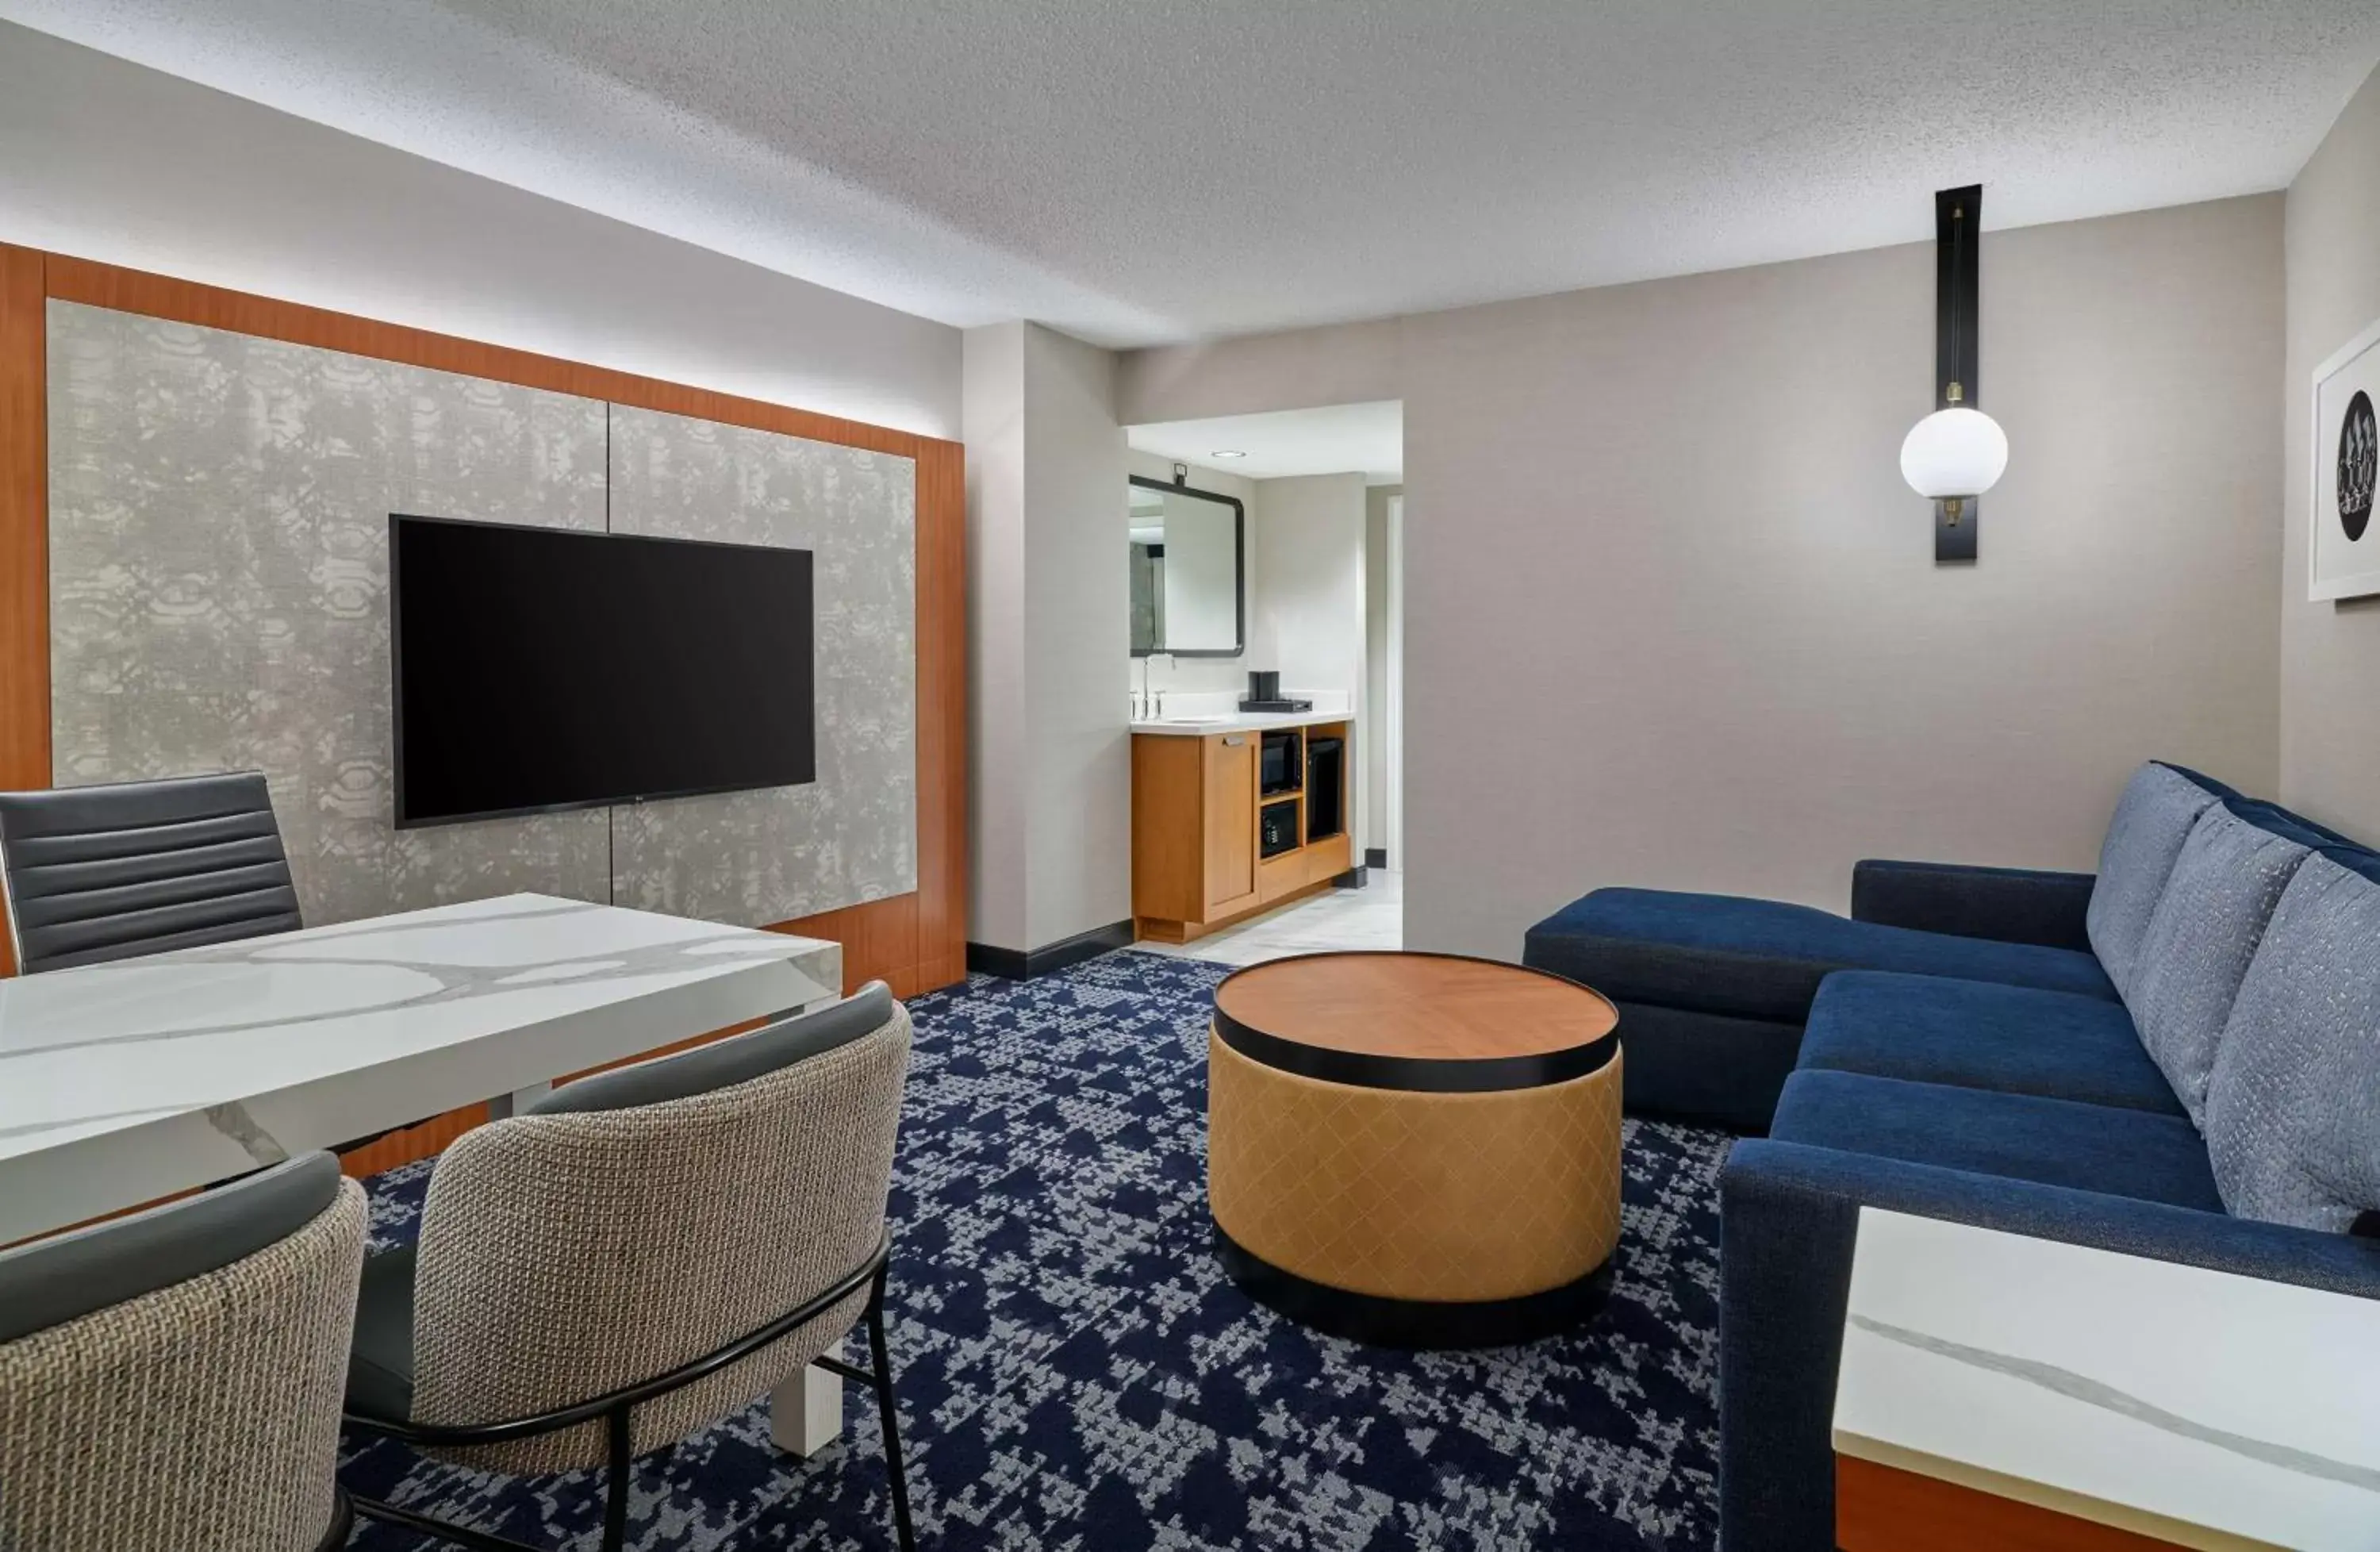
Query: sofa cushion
(1761, 959)
(2290, 826)
(2014, 1136)
(1975, 1034)
(1706, 1068)
(2293, 1104)
(2205, 928)
(2152, 819)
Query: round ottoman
(1417, 1150)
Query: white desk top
(1241, 722)
(122, 1083)
(2210, 1410)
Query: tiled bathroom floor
(1370, 917)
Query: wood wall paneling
(24, 527)
(1884, 1508)
(914, 943)
(941, 713)
(411, 1143)
(879, 942)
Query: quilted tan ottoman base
(1429, 1201)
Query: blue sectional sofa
(2177, 1057)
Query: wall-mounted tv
(544, 669)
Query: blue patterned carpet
(1077, 1376)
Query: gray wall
(1049, 628)
(998, 737)
(219, 573)
(1672, 618)
(2330, 652)
(1078, 796)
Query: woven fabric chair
(642, 1254)
(98, 874)
(172, 1379)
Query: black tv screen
(540, 669)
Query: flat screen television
(546, 669)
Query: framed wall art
(2344, 542)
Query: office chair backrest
(172, 1380)
(635, 1221)
(97, 874)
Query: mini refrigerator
(1326, 788)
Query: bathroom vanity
(1234, 815)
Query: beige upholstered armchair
(640, 1254)
(171, 1379)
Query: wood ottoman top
(1436, 1024)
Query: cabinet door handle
(1233, 741)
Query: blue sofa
(2177, 1057)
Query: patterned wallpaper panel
(760, 856)
(218, 580)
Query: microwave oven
(1280, 766)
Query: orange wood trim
(411, 1143)
(1165, 929)
(24, 529)
(880, 941)
(1884, 1508)
(941, 715)
(184, 301)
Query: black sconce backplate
(1958, 285)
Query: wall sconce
(1957, 452)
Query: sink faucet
(1149, 707)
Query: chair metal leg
(615, 1495)
(439, 1530)
(881, 1363)
(616, 1411)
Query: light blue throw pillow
(2293, 1107)
(2200, 938)
(2152, 820)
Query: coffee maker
(1264, 694)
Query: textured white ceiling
(1334, 439)
(1132, 171)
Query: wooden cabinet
(1198, 859)
(1228, 811)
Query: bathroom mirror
(1188, 572)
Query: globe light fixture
(1954, 455)
(1957, 452)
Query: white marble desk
(123, 1082)
(2197, 1407)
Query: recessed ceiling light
(1227, 453)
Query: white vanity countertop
(1240, 721)
(2209, 1410)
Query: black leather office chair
(96, 874)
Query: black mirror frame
(1239, 571)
